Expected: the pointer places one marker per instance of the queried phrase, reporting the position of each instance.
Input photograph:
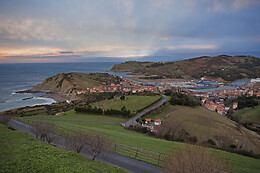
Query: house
(220, 110)
(157, 122)
(235, 104)
(147, 121)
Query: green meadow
(20, 152)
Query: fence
(139, 153)
(127, 150)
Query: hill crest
(228, 68)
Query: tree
(97, 144)
(194, 159)
(43, 130)
(5, 119)
(76, 140)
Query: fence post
(136, 153)
(159, 159)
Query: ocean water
(17, 77)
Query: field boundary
(131, 151)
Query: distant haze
(118, 30)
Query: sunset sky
(117, 30)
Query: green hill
(20, 152)
(228, 68)
(180, 123)
(251, 115)
(70, 83)
(117, 133)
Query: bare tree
(43, 130)
(194, 159)
(5, 119)
(76, 140)
(97, 144)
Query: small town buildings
(157, 122)
(147, 121)
(235, 104)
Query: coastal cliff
(69, 83)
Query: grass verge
(72, 115)
(240, 164)
(20, 152)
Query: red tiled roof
(158, 121)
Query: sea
(19, 77)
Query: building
(157, 122)
(235, 104)
(147, 121)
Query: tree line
(94, 110)
(178, 98)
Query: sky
(118, 30)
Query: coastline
(57, 97)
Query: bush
(193, 139)
(89, 109)
(123, 112)
(122, 97)
(211, 142)
(194, 159)
(183, 99)
(233, 146)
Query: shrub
(194, 159)
(193, 139)
(232, 146)
(211, 142)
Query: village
(212, 100)
(126, 85)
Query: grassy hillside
(226, 67)
(71, 115)
(132, 103)
(20, 152)
(205, 124)
(240, 164)
(251, 115)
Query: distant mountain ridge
(229, 68)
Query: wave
(46, 99)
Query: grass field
(20, 152)
(251, 115)
(205, 124)
(117, 133)
(132, 103)
(71, 115)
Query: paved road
(103, 122)
(133, 122)
(127, 163)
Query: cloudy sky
(116, 30)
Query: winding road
(132, 121)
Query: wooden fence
(127, 150)
(139, 153)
